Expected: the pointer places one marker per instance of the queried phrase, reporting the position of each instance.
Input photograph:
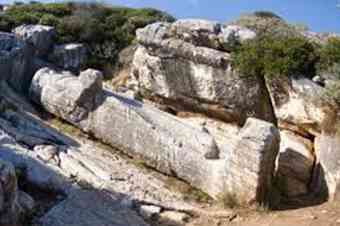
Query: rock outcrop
(8, 195)
(295, 164)
(69, 56)
(39, 37)
(189, 73)
(186, 113)
(14, 61)
(162, 140)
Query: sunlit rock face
(185, 63)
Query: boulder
(198, 32)
(252, 163)
(328, 174)
(154, 33)
(183, 65)
(163, 141)
(8, 195)
(199, 79)
(298, 104)
(40, 37)
(232, 35)
(71, 103)
(295, 164)
(14, 62)
(70, 56)
(89, 208)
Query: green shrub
(330, 57)
(266, 14)
(276, 56)
(49, 19)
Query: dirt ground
(327, 214)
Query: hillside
(127, 117)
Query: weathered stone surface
(26, 203)
(224, 134)
(154, 33)
(72, 103)
(198, 32)
(25, 128)
(160, 139)
(232, 35)
(163, 140)
(251, 167)
(328, 150)
(14, 61)
(8, 195)
(182, 65)
(40, 37)
(202, 80)
(295, 164)
(297, 104)
(149, 212)
(173, 218)
(89, 208)
(70, 56)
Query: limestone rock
(14, 62)
(295, 164)
(183, 65)
(70, 56)
(173, 218)
(197, 31)
(154, 33)
(26, 202)
(72, 103)
(298, 104)
(150, 212)
(8, 194)
(328, 149)
(89, 208)
(162, 140)
(200, 79)
(251, 167)
(232, 35)
(40, 37)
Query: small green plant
(268, 55)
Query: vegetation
(274, 56)
(266, 14)
(105, 30)
(330, 57)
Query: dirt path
(327, 214)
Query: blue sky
(318, 15)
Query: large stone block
(200, 79)
(40, 37)
(186, 66)
(295, 164)
(70, 56)
(162, 140)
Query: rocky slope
(183, 109)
